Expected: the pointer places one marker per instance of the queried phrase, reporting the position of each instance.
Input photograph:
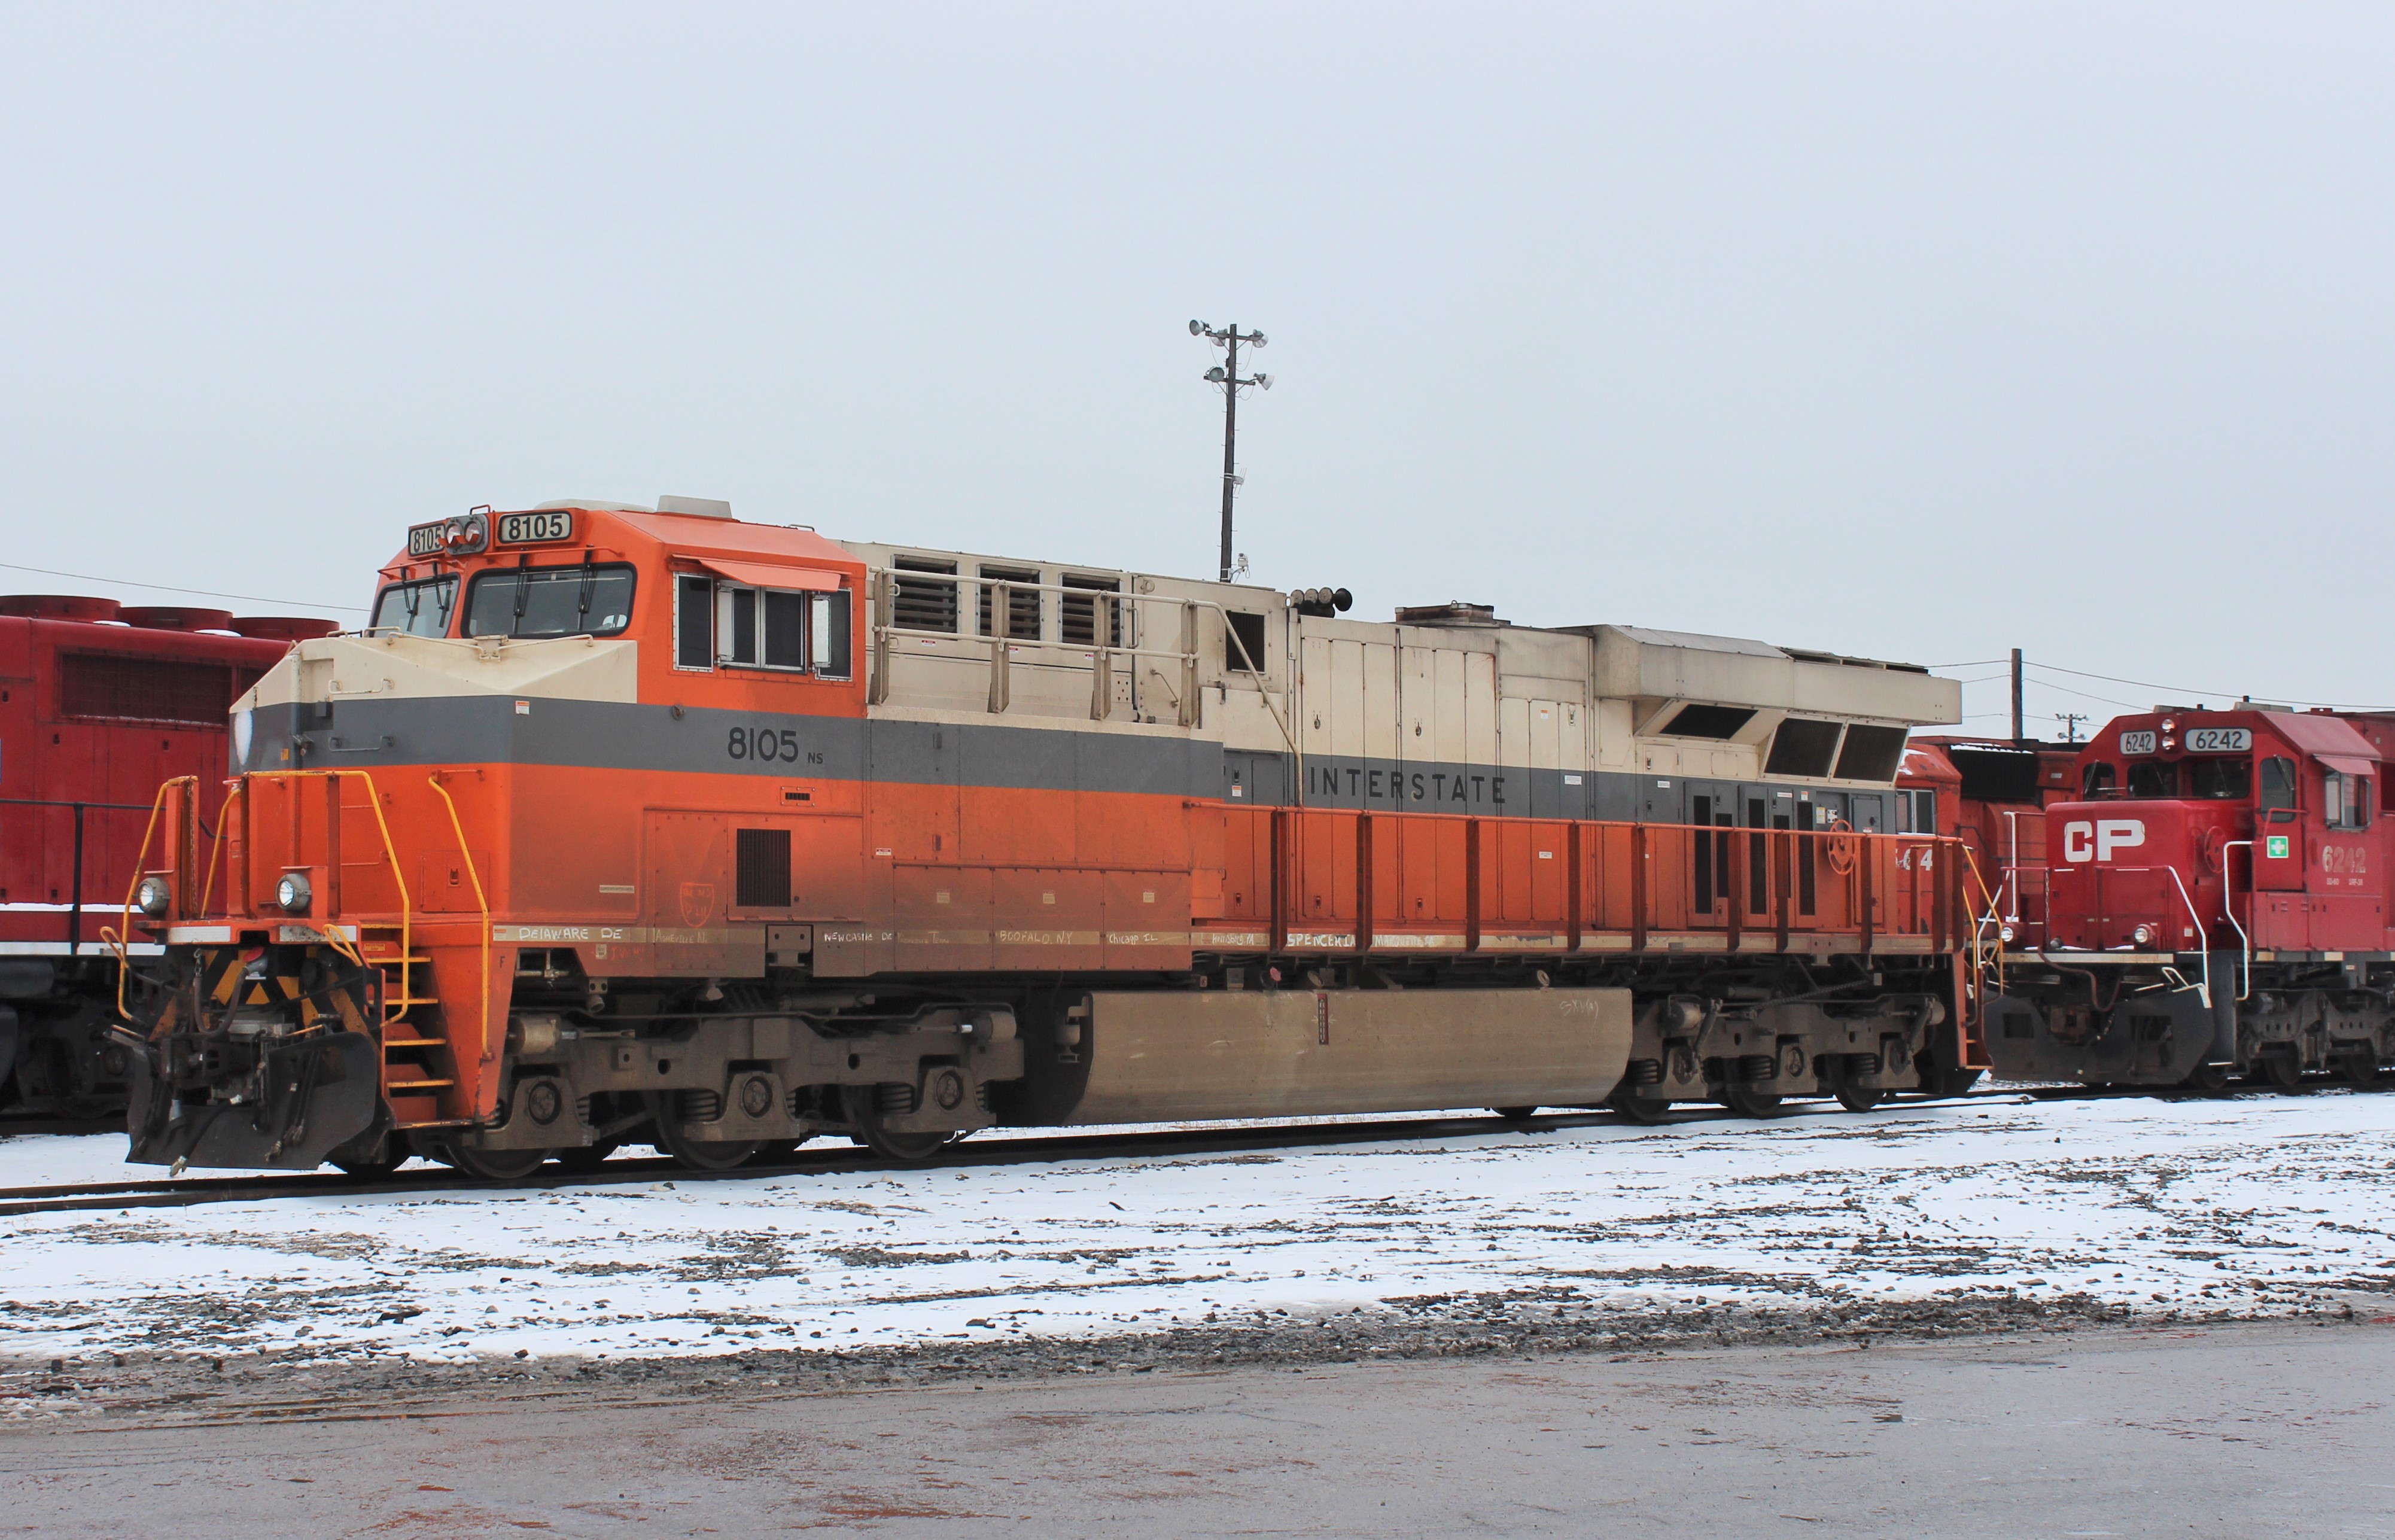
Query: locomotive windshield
(2220, 778)
(534, 602)
(420, 608)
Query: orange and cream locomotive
(629, 824)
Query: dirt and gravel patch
(1532, 1323)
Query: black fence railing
(74, 899)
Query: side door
(1712, 804)
(2278, 854)
(1255, 780)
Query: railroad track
(187, 1191)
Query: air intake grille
(763, 857)
(112, 686)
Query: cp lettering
(2096, 840)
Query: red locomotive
(644, 823)
(2217, 903)
(100, 703)
(1991, 795)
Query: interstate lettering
(1439, 789)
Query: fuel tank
(1106, 1056)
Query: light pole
(1226, 374)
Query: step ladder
(420, 1063)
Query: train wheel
(1516, 1114)
(492, 1165)
(1628, 1104)
(774, 1152)
(697, 1154)
(2205, 1077)
(1741, 1098)
(588, 1158)
(2282, 1070)
(860, 1102)
(1860, 1098)
(2359, 1070)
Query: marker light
(152, 896)
(292, 892)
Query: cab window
(731, 625)
(2345, 800)
(2153, 778)
(1916, 812)
(2221, 779)
(535, 602)
(420, 608)
(2278, 786)
(2096, 780)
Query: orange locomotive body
(629, 824)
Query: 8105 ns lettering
(768, 746)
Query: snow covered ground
(2254, 1206)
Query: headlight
(292, 892)
(2006, 934)
(152, 896)
(2143, 935)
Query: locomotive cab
(2216, 904)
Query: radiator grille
(111, 686)
(762, 861)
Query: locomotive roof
(2315, 733)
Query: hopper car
(644, 823)
(100, 703)
(2217, 905)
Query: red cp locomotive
(2217, 903)
(98, 704)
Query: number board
(2219, 741)
(425, 539)
(2138, 743)
(536, 528)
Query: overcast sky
(1914, 331)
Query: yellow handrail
(390, 855)
(1978, 965)
(208, 883)
(390, 858)
(157, 806)
(467, 856)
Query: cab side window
(730, 625)
(2345, 800)
(2278, 789)
(2096, 781)
(693, 623)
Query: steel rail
(193, 1190)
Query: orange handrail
(481, 898)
